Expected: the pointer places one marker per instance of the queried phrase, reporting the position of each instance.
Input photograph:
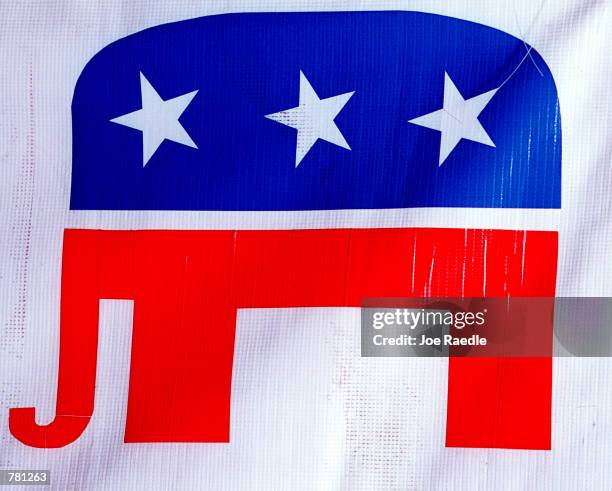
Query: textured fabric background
(356, 423)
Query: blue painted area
(247, 65)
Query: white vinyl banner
(307, 411)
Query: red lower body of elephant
(188, 285)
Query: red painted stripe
(506, 403)
(188, 285)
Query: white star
(158, 119)
(313, 119)
(457, 119)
